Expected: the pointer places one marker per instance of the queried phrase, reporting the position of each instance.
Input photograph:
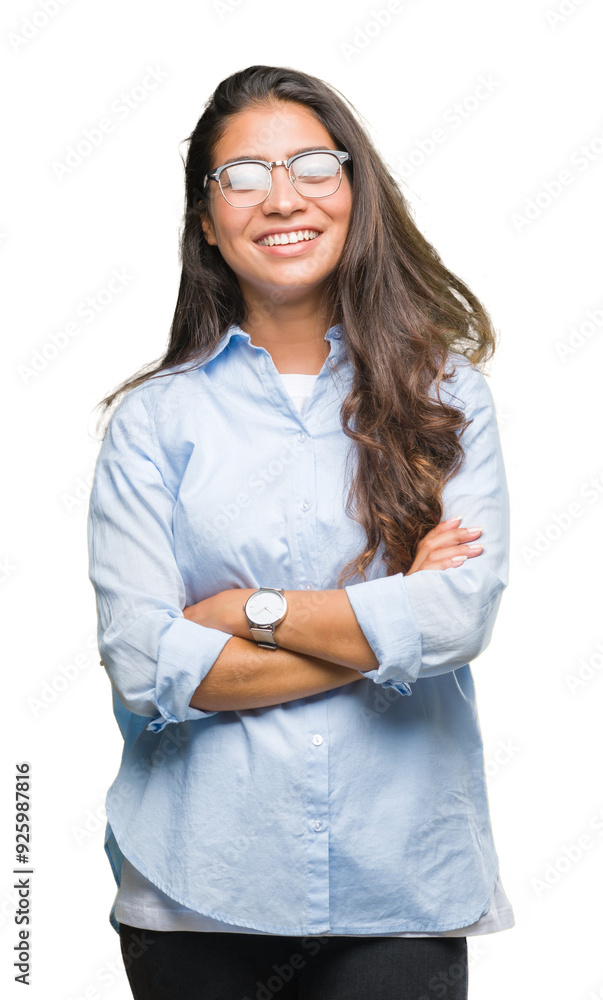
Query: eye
(316, 174)
(245, 177)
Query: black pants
(199, 965)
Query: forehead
(271, 132)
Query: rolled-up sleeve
(434, 621)
(154, 656)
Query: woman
(301, 806)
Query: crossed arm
(321, 644)
(154, 652)
(319, 641)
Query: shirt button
(308, 586)
(305, 505)
(317, 739)
(317, 824)
(302, 437)
(337, 334)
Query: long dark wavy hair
(402, 313)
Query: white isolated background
(539, 683)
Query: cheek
(230, 235)
(238, 256)
(344, 225)
(229, 242)
(344, 212)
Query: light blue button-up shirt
(362, 810)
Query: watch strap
(264, 636)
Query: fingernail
(451, 520)
(457, 560)
(475, 546)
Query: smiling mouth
(282, 239)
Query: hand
(223, 611)
(445, 546)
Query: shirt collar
(334, 335)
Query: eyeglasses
(245, 183)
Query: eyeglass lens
(315, 175)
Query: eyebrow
(306, 149)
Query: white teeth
(280, 239)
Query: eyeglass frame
(214, 175)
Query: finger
(443, 559)
(442, 528)
(451, 522)
(466, 538)
(450, 536)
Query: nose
(283, 196)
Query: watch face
(266, 607)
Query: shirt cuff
(385, 615)
(187, 652)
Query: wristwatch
(264, 609)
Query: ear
(208, 227)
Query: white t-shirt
(140, 903)
(299, 388)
